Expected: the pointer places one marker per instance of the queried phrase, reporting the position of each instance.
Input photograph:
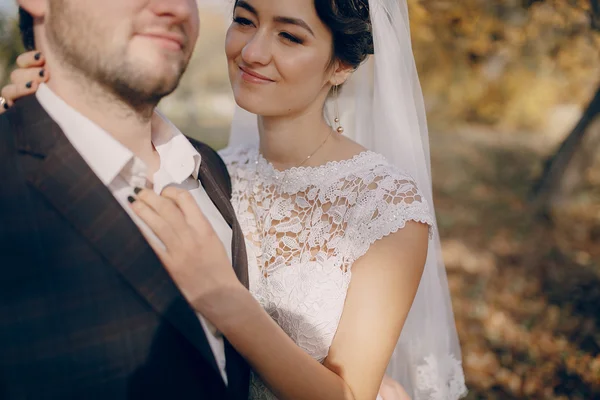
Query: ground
(525, 292)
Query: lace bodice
(305, 227)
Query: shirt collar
(107, 157)
(179, 159)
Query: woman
(339, 238)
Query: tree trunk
(547, 188)
(595, 14)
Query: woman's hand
(392, 390)
(196, 259)
(192, 253)
(25, 79)
(198, 263)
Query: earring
(339, 128)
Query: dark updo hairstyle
(350, 25)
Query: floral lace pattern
(304, 229)
(432, 373)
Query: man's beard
(72, 35)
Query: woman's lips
(253, 77)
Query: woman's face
(279, 54)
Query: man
(87, 310)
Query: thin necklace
(315, 152)
(297, 166)
(254, 205)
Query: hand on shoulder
(24, 80)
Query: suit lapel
(223, 203)
(236, 367)
(73, 189)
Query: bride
(336, 208)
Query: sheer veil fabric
(381, 107)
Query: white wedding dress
(304, 229)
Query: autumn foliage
(498, 62)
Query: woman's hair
(26, 28)
(350, 26)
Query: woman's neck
(286, 142)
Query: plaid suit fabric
(86, 308)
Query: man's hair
(26, 27)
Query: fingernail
(42, 73)
(137, 190)
(6, 106)
(28, 85)
(131, 199)
(37, 56)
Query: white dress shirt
(121, 171)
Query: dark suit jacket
(86, 308)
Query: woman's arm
(286, 369)
(384, 283)
(383, 287)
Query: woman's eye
(291, 38)
(242, 21)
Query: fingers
(25, 80)
(392, 390)
(188, 206)
(157, 223)
(22, 76)
(168, 210)
(31, 59)
(13, 92)
(158, 248)
(194, 216)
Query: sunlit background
(507, 84)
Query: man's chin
(157, 82)
(162, 85)
(142, 92)
(142, 82)
(160, 62)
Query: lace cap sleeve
(236, 156)
(388, 199)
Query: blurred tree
(556, 182)
(506, 63)
(564, 170)
(595, 12)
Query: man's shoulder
(195, 142)
(205, 151)
(200, 146)
(26, 112)
(7, 118)
(8, 125)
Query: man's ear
(36, 8)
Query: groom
(86, 308)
